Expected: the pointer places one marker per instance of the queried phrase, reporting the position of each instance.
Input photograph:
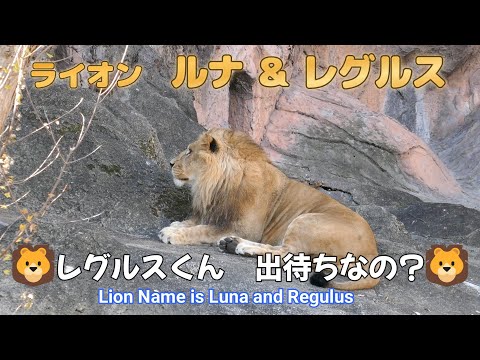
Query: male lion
(249, 207)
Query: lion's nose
(172, 163)
(33, 268)
(446, 268)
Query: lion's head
(192, 163)
(214, 166)
(446, 264)
(33, 264)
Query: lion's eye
(39, 263)
(188, 152)
(27, 263)
(441, 263)
(453, 263)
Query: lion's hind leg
(298, 238)
(330, 233)
(237, 245)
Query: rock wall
(421, 141)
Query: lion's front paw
(170, 235)
(177, 224)
(228, 244)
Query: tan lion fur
(245, 204)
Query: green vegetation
(111, 169)
(148, 148)
(70, 129)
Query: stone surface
(441, 222)
(79, 296)
(361, 147)
(334, 139)
(139, 130)
(440, 125)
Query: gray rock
(7, 218)
(363, 172)
(400, 105)
(127, 180)
(453, 55)
(460, 150)
(443, 222)
(80, 295)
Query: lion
(447, 265)
(247, 206)
(33, 264)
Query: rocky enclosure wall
(422, 141)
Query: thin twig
(12, 194)
(8, 228)
(47, 203)
(17, 200)
(16, 102)
(87, 218)
(65, 58)
(115, 78)
(80, 137)
(84, 157)
(37, 115)
(18, 308)
(44, 50)
(9, 67)
(4, 132)
(54, 153)
(52, 135)
(18, 91)
(40, 169)
(18, 95)
(61, 193)
(40, 119)
(34, 51)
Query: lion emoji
(448, 266)
(33, 266)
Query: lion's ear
(456, 251)
(42, 251)
(23, 251)
(437, 250)
(213, 145)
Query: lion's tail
(318, 279)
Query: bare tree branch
(115, 78)
(44, 125)
(87, 218)
(6, 230)
(39, 170)
(57, 153)
(44, 50)
(84, 157)
(39, 47)
(60, 194)
(66, 161)
(17, 200)
(10, 66)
